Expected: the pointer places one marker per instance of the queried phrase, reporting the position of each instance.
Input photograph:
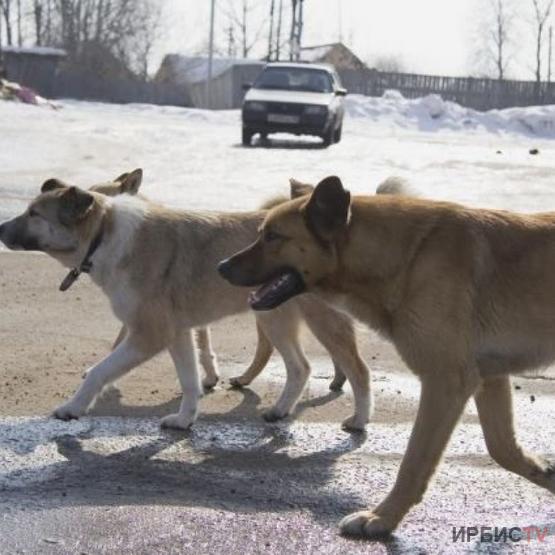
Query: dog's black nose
(224, 268)
(2, 228)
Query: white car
(304, 99)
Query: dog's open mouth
(281, 288)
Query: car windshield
(295, 79)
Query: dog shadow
(200, 467)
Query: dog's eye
(33, 213)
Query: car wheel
(247, 136)
(337, 134)
(329, 136)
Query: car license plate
(282, 118)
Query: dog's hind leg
(281, 327)
(339, 378)
(184, 356)
(442, 401)
(495, 409)
(264, 349)
(129, 353)
(207, 358)
(336, 332)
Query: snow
(35, 50)
(315, 53)
(432, 113)
(193, 158)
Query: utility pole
(210, 55)
(271, 33)
(231, 51)
(296, 30)
(550, 53)
(278, 31)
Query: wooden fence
(227, 92)
(85, 85)
(480, 94)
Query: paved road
(115, 483)
(236, 485)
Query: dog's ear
(121, 178)
(75, 205)
(328, 209)
(131, 182)
(299, 189)
(52, 184)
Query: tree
(495, 38)
(6, 13)
(271, 31)
(388, 63)
(542, 13)
(241, 20)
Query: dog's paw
(68, 411)
(354, 424)
(273, 415)
(337, 383)
(209, 383)
(549, 476)
(176, 422)
(238, 382)
(365, 524)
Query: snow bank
(432, 113)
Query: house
(228, 77)
(335, 53)
(35, 67)
(230, 74)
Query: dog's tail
(395, 185)
(273, 202)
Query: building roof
(194, 69)
(35, 51)
(334, 53)
(315, 53)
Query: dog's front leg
(494, 401)
(123, 358)
(442, 401)
(184, 356)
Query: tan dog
(465, 295)
(158, 268)
(130, 183)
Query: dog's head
(297, 246)
(56, 222)
(63, 220)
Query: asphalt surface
(121, 485)
(114, 483)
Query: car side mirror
(247, 86)
(340, 92)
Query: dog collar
(86, 265)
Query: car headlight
(316, 110)
(255, 106)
